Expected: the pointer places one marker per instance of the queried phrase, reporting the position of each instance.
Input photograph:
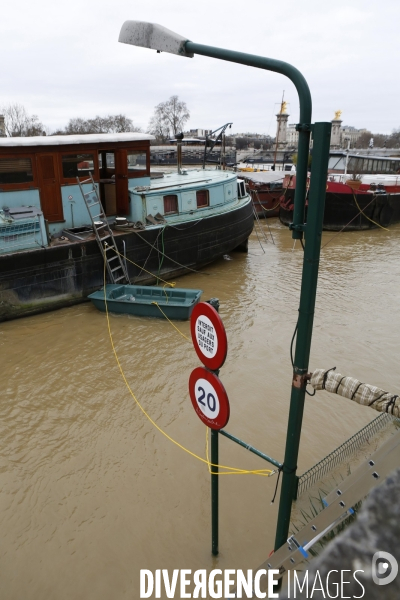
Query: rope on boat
(170, 283)
(362, 393)
(363, 213)
(264, 211)
(347, 224)
(255, 229)
(228, 470)
(151, 249)
(168, 257)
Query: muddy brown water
(91, 492)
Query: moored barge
(368, 202)
(49, 256)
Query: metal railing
(349, 447)
(20, 235)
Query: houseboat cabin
(40, 197)
(41, 173)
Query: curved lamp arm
(157, 37)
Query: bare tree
(120, 123)
(76, 126)
(242, 143)
(379, 140)
(19, 123)
(169, 118)
(107, 124)
(393, 140)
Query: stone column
(282, 119)
(336, 135)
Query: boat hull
(266, 203)
(342, 212)
(44, 279)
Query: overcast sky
(63, 60)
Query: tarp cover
(362, 393)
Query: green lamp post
(156, 37)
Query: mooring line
(169, 321)
(232, 470)
(363, 213)
(171, 284)
(351, 220)
(168, 257)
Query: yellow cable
(180, 332)
(234, 471)
(255, 472)
(363, 213)
(165, 292)
(171, 284)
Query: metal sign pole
(207, 393)
(215, 476)
(214, 492)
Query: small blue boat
(147, 301)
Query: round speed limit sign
(209, 398)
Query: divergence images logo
(384, 568)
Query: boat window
(16, 170)
(110, 160)
(241, 188)
(170, 204)
(351, 165)
(202, 198)
(137, 161)
(77, 165)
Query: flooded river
(91, 492)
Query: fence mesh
(18, 236)
(349, 447)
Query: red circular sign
(209, 398)
(208, 336)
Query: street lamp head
(154, 36)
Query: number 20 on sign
(209, 398)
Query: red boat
(266, 189)
(353, 202)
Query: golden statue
(283, 108)
(338, 114)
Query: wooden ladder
(116, 267)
